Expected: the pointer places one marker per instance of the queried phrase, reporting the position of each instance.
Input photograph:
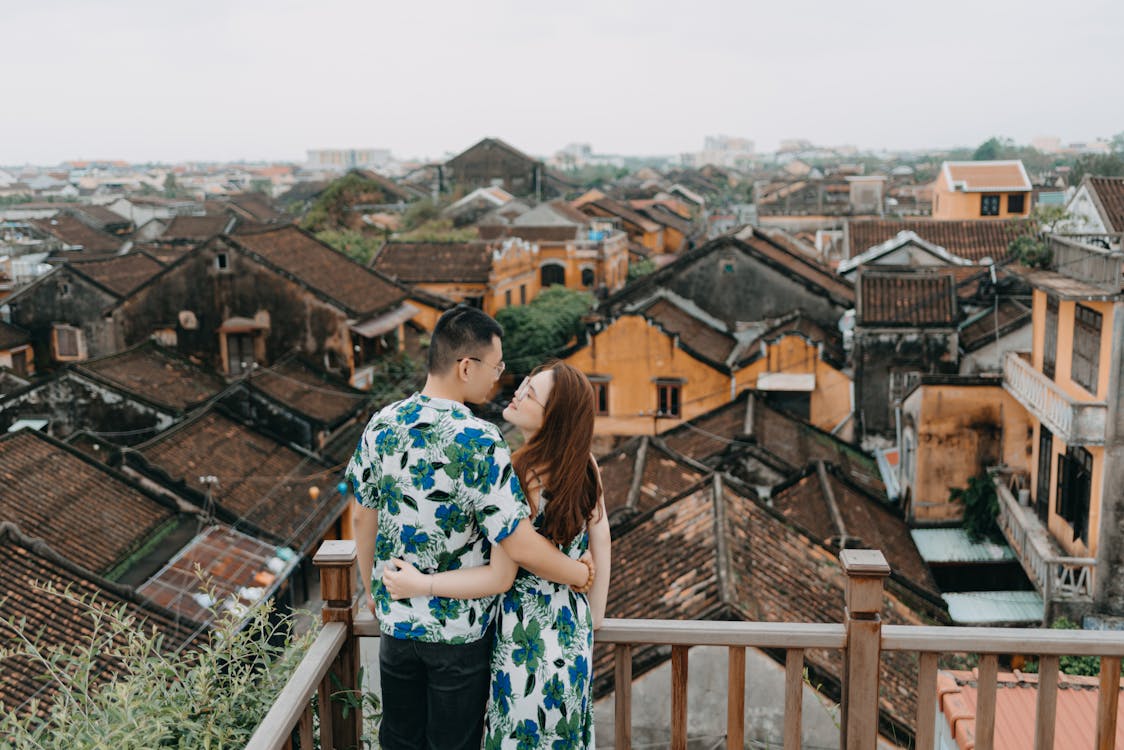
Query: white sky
(233, 79)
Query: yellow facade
(957, 204)
(633, 356)
(953, 432)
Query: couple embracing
(488, 571)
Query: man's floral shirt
(442, 482)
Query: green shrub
(1088, 666)
(1030, 251)
(536, 332)
(981, 508)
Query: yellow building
(664, 361)
(1070, 385)
(15, 350)
(982, 190)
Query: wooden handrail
(711, 633)
(1039, 641)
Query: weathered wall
(63, 297)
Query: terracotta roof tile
(436, 262)
(311, 262)
(121, 274)
(26, 566)
(195, 227)
(901, 298)
(100, 216)
(70, 231)
(1008, 315)
(969, 239)
(988, 175)
(298, 386)
(664, 475)
(1109, 193)
(157, 375)
(259, 479)
(694, 334)
(83, 508)
(610, 207)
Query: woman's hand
(406, 582)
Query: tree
(1118, 143)
(1101, 165)
(539, 331)
(639, 268)
(989, 150)
(352, 243)
(422, 212)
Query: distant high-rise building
(342, 159)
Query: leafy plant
(1088, 666)
(1030, 251)
(981, 508)
(352, 243)
(639, 268)
(536, 332)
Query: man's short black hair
(460, 332)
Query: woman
(542, 658)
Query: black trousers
(433, 694)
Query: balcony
(1075, 422)
(1088, 263)
(331, 665)
(1057, 577)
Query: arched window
(587, 277)
(553, 274)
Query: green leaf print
(529, 647)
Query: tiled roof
(74, 504)
(1109, 193)
(1016, 700)
(12, 336)
(610, 207)
(196, 227)
(28, 565)
(99, 215)
(255, 207)
(120, 274)
(307, 391)
(157, 375)
(70, 231)
(494, 142)
(694, 334)
(835, 511)
(717, 554)
(260, 480)
(663, 215)
(969, 239)
(165, 252)
(553, 214)
(436, 262)
(220, 568)
(1008, 315)
(331, 273)
(979, 176)
(663, 476)
(391, 189)
(802, 266)
(906, 298)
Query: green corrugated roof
(988, 607)
(954, 546)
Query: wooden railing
(1085, 262)
(330, 666)
(1057, 576)
(1074, 421)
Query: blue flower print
(510, 601)
(516, 488)
(390, 493)
(529, 647)
(418, 437)
(384, 547)
(450, 518)
(412, 539)
(566, 627)
(421, 475)
(408, 630)
(501, 690)
(481, 474)
(408, 413)
(444, 610)
(578, 672)
(553, 691)
(386, 442)
(474, 439)
(527, 732)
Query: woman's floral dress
(542, 664)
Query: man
(435, 487)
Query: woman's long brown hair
(560, 453)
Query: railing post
(340, 725)
(865, 570)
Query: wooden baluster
(985, 702)
(865, 570)
(1107, 702)
(793, 698)
(1047, 703)
(336, 560)
(679, 698)
(735, 700)
(304, 728)
(926, 702)
(622, 655)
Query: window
(522, 294)
(553, 274)
(1045, 457)
(68, 343)
(64, 289)
(1016, 203)
(601, 396)
(668, 399)
(1050, 342)
(222, 262)
(507, 298)
(587, 277)
(1075, 472)
(1086, 348)
(989, 205)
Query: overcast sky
(242, 79)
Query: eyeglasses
(498, 368)
(526, 390)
